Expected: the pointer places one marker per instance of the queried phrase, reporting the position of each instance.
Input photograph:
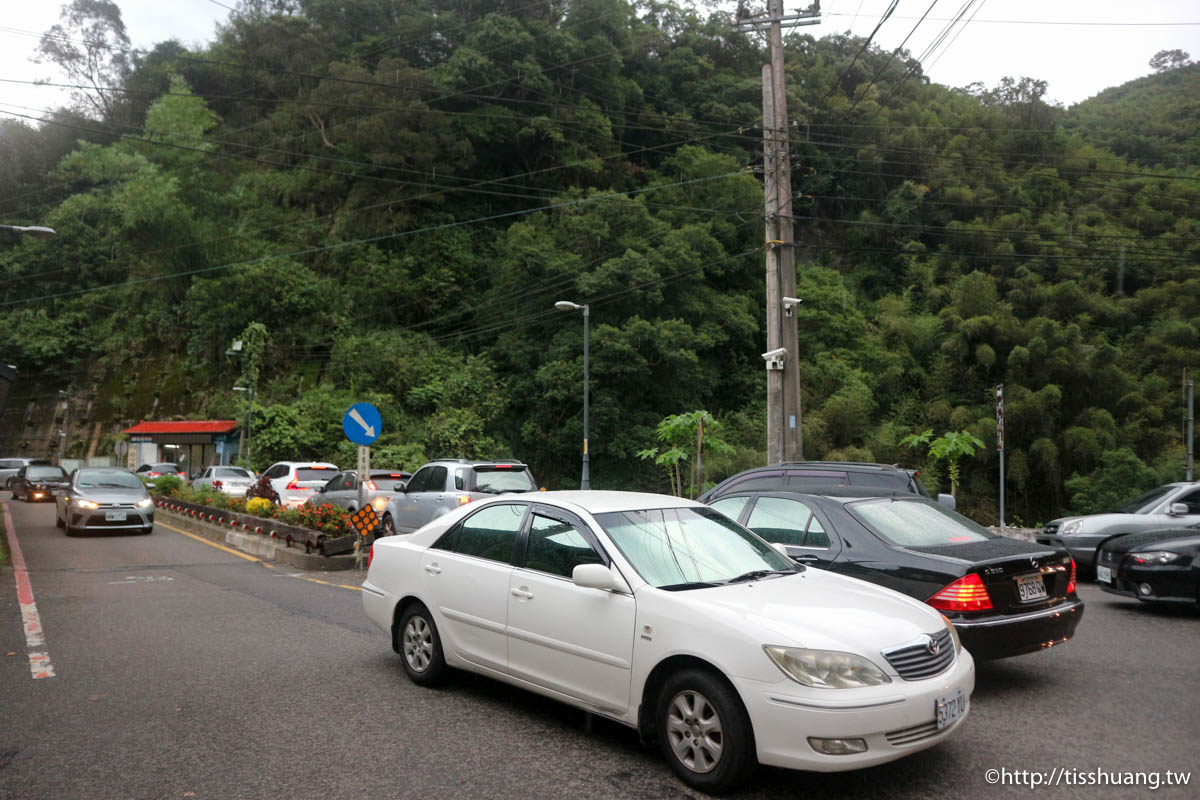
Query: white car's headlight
(1074, 526)
(81, 503)
(953, 634)
(826, 669)
(145, 502)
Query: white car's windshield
(682, 548)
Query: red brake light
(463, 499)
(153, 474)
(370, 555)
(966, 594)
(293, 485)
(371, 486)
(1071, 583)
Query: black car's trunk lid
(1019, 575)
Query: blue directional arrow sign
(362, 423)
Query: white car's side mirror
(1178, 509)
(781, 548)
(948, 501)
(593, 576)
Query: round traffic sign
(362, 423)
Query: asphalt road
(182, 670)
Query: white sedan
(664, 615)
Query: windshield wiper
(755, 574)
(116, 485)
(676, 587)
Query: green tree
(1120, 476)
(683, 437)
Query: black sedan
(1155, 567)
(37, 482)
(1005, 596)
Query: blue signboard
(362, 423)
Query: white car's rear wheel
(420, 646)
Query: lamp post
(566, 305)
(36, 231)
(249, 407)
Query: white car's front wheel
(704, 731)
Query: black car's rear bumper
(1016, 634)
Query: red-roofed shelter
(192, 444)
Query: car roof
(603, 502)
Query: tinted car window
(418, 482)
(917, 523)
(388, 484)
(496, 480)
(229, 472)
(277, 471)
(557, 547)
(816, 535)
(437, 480)
(489, 534)
(314, 473)
(1192, 501)
(781, 520)
(730, 506)
(43, 473)
(91, 480)
(460, 479)
(758, 480)
(1143, 502)
(164, 468)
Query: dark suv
(444, 485)
(820, 477)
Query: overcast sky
(1078, 47)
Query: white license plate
(1104, 574)
(949, 708)
(1031, 587)
(114, 516)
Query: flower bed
(330, 521)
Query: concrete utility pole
(784, 433)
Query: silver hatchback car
(104, 499)
(439, 487)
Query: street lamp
(567, 305)
(249, 406)
(37, 231)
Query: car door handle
(522, 593)
(433, 569)
(804, 559)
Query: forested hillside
(398, 194)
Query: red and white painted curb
(35, 637)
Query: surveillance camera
(771, 355)
(789, 305)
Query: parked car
(149, 472)
(380, 490)
(233, 481)
(442, 486)
(104, 499)
(1005, 597)
(10, 466)
(666, 616)
(1155, 566)
(814, 476)
(1175, 505)
(37, 482)
(295, 481)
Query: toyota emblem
(933, 647)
